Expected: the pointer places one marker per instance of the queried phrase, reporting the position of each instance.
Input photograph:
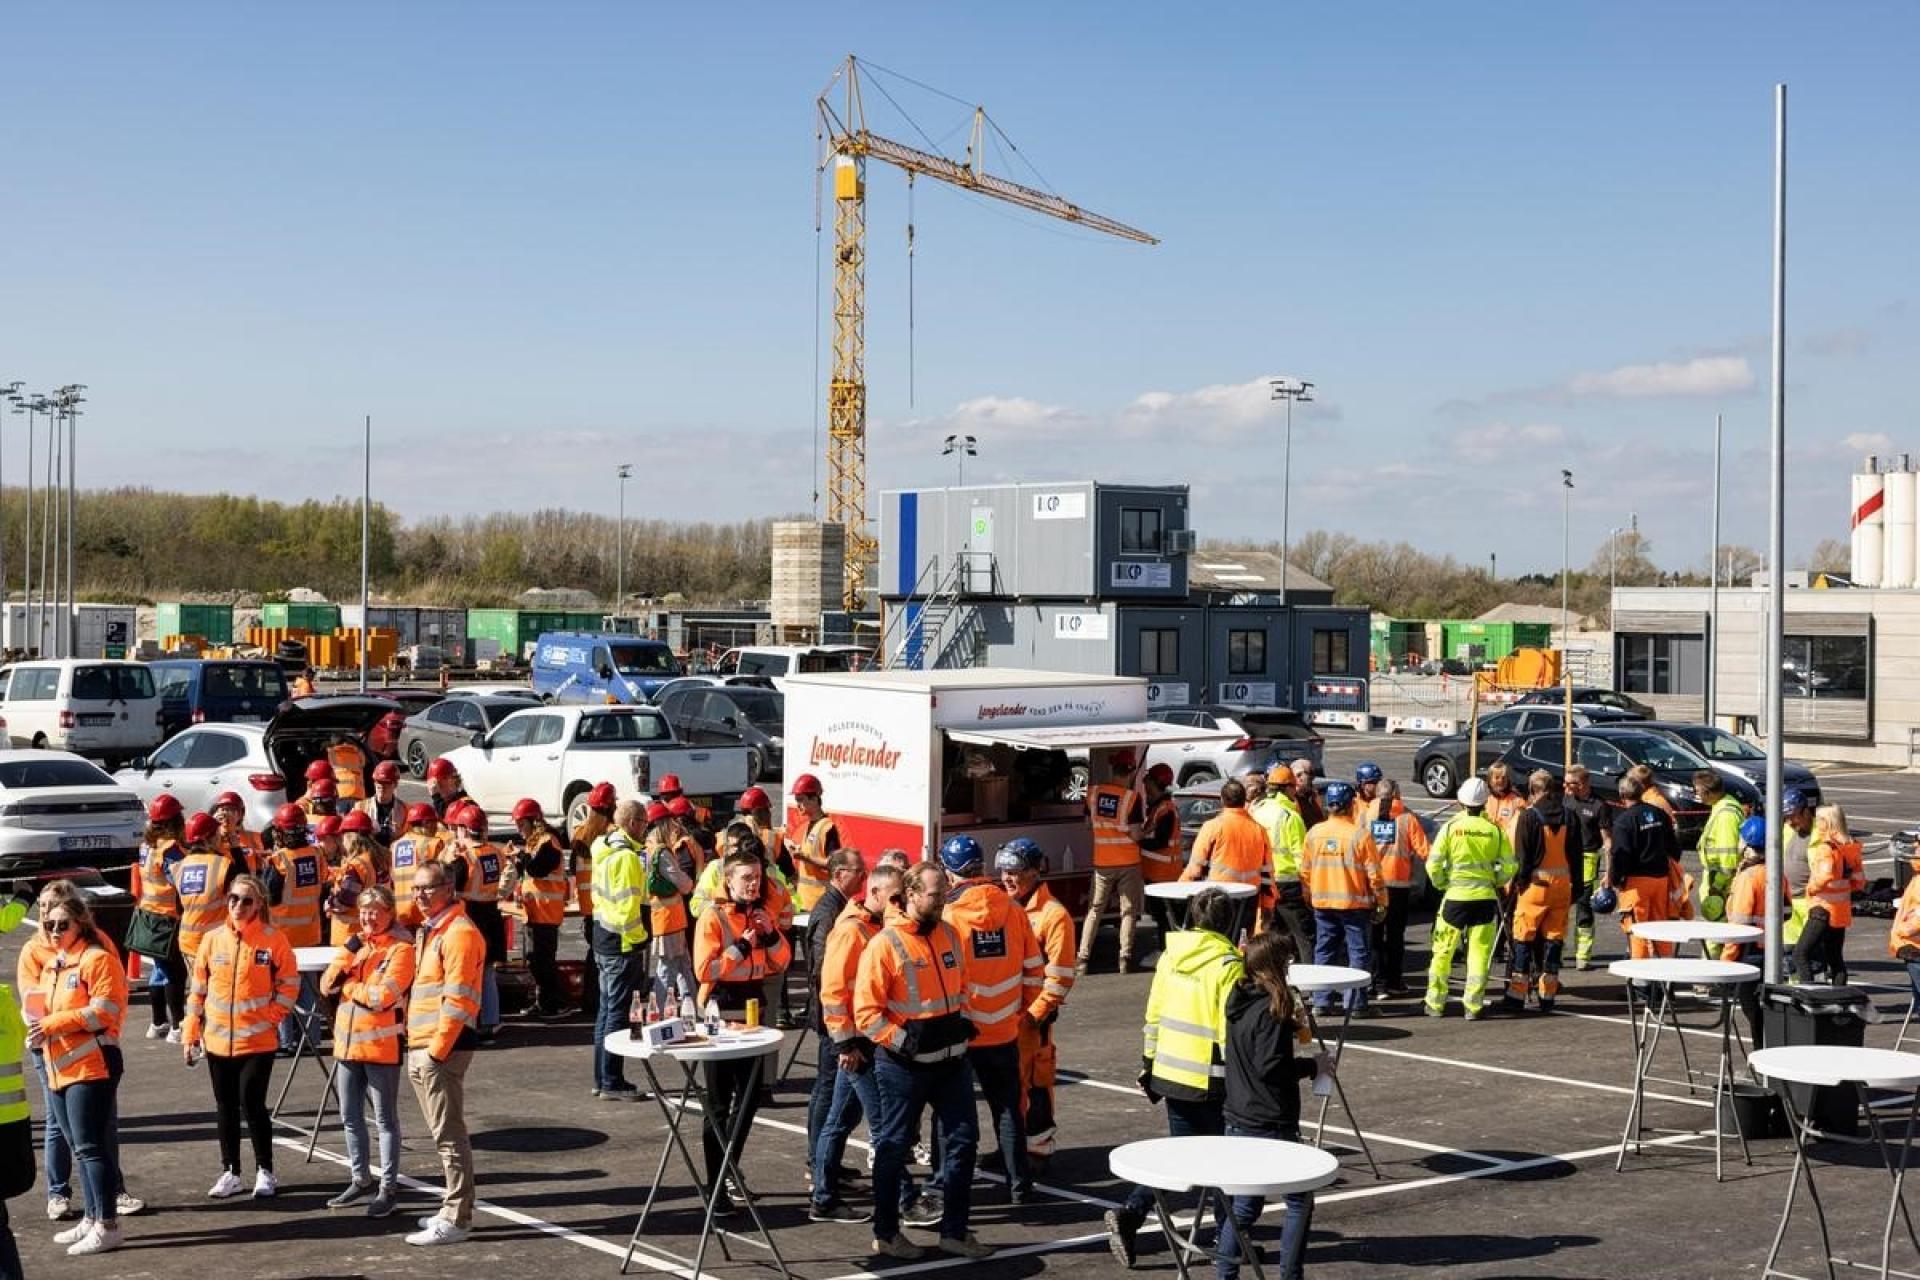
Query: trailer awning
(1073, 737)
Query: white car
(107, 709)
(59, 813)
(521, 690)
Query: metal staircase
(923, 618)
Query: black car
(1440, 763)
(732, 716)
(1587, 697)
(1608, 751)
(1734, 756)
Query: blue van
(601, 666)
(222, 690)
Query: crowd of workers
(927, 980)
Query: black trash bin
(1823, 1016)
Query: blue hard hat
(1339, 796)
(1753, 832)
(1367, 772)
(961, 853)
(1604, 899)
(1019, 854)
(1794, 801)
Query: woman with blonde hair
(1835, 873)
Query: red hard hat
(419, 813)
(753, 800)
(201, 828)
(357, 821)
(656, 812)
(669, 784)
(327, 827)
(289, 817)
(319, 769)
(163, 809)
(806, 785)
(325, 789)
(1162, 774)
(386, 771)
(602, 797)
(528, 807)
(467, 816)
(441, 768)
(229, 800)
(680, 807)
(1122, 758)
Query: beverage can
(753, 1013)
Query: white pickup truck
(557, 754)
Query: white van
(779, 661)
(93, 707)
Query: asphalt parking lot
(1496, 1142)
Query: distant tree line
(141, 544)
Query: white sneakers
(265, 1185)
(157, 1031)
(99, 1239)
(435, 1231)
(124, 1205)
(173, 1035)
(76, 1233)
(58, 1207)
(227, 1187)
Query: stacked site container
(1492, 641)
(283, 615)
(211, 622)
(515, 631)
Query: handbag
(152, 935)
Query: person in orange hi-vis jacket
(1347, 890)
(443, 1015)
(245, 984)
(1020, 863)
(1504, 801)
(1834, 874)
(1402, 841)
(1233, 848)
(243, 845)
(1004, 971)
(370, 977)
(1113, 813)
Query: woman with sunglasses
(370, 977)
(75, 1025)
(245, 983)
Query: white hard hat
(1473, 794)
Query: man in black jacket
(1552, 874)
(1643, 865)
(845, 872)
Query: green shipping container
(516, 630)
(1394, 639)
(214, 622)
(1492, 641)
(320, 619)
(582, 621)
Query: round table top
(1837, 1064)
(1236, 1166)
(314, 959)
(1679, 969)
(1695, 931)
(733, 1043)
(1327, 977)
(1181, 890)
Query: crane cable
(910, 289)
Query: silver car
(452, 722)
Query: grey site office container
(1070, 541)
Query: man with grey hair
(1312, 811)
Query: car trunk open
(303, 730)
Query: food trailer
(909, 758)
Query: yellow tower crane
(846, 146)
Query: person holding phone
(370, 977)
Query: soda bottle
(653, 1007)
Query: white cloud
(1494, 441)
(1703, 376)
(1867, 442)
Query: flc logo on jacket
(1106, 805)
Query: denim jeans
(355, 1081)
(826, 1071)
(619, 975)
(671, 973)
(1184, 1120)
(948, 1088)
(1246, 1211)
(1355, 928)
(854, 1093)
(87, 1118)
(489, 998)
(57, 1154)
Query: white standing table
(1263, 1167)
(1309, 980)
(1183, 892)
(1724, 978)
(738, 1044)
(1838, 1066)
(314, 960)
(1712, 933)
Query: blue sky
(537, 240)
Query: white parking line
(1859, 791)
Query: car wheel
(575, 806)
(1437, 777)
(1205, 773)
(417, 758)
(1079, 782)
(756, 764)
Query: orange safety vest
(372, 1015)
(1161, 865)
(810, 854)
(1232, 848)
(1341, 866)
(1906, 919)
(359, 868)
(246, 847)
(544, 898)
(716, 964)
(581, 857)
(243, 985)
(303, 875)
(349, 770)
(667, 913)
(157, 894)
(1004, 968)
(201, 879)
(483, 873)
(1502, 810)
(1110, 811)
(1834, 872)
(908, 978)
(410, 851)
(450, 958)
(845, 945)
(83, 988)
(1053, 929)
(1747, 904)
(1400, 839)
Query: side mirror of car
(606, 673)
(730, 722)
(140, 762)
(478, 739)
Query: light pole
(9, 401)
(71, 400)
(1566, 549)
(625, 472)
(366, 544)
(1290, 391)
(962, 448)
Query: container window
(1247, 652)
(1159, 651)
(1330, 657)
(1140, 530)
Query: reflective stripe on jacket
(157, 893)
(200, 879)
(733, 973)
(1160, 865)
(1401, 840)
(1110, 811)
(1053, 929)
(1232, 848)
(1186, 1027)
(544, 898)
(411, 852)
(1834, 873)
(83, 987)
(620, 889)
(1341, 866)
(1003, 967)
(303, 878)
(484, 867)
(243, 984)
(1286, 832)
(373, 1000)
(910, 994)
(845, 945)
(1472, 859)
(449, 958)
